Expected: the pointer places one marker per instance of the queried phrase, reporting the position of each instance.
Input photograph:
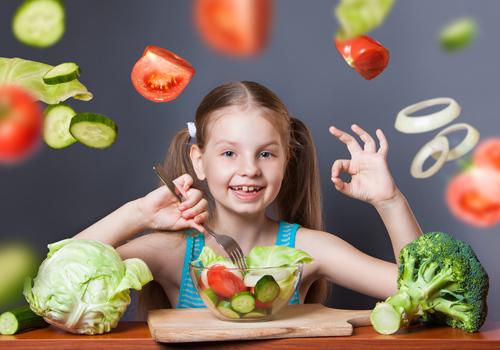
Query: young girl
(251, 173)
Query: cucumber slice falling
(93, 130)
(62, 73)
(56, 126)
(39, 23)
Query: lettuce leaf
(208, 257)
(276, 256)
(29, 75)
(358, 17)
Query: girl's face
(244, 160)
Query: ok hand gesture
(371, 180)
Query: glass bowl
(240, 295)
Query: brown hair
(299, 199)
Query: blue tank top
(188, 296)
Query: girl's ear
(197, 161)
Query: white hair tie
(192, 132)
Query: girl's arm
(371, 181)
(158, 211)
(399, 221)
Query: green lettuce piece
(276, 256)
(358, 17)
(208, 257)
(29, 75)
(458, 34)
(83, 286)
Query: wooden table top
(136, 335)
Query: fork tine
(241, 258)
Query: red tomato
(487, 154)
(234, 27)
(467, 203)
(224, 282)
(367, 56)
(20, 124)
(261, 305)
(160, 75)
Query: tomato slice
(367, 56)
(234, 27)
(20, 124)
(224, 282)
(160, 75)
(487, 154)
(467, 203)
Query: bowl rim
(298, 265)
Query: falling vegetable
(29, 75)
(234, 27)
(20, 124)
(458, 34)
(160, 75)
(358, 17)
(367, 56)
(39, 23)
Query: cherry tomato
(234, 27)
(487, 154)
(160, 75)
(224, 282)
(20, 124)
(467, 203)
(367, 56)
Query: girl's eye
(228, 154)
(265, 154)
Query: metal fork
(230, 246)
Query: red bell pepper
(366, 55)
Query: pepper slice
(366, 55)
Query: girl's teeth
(245, 188)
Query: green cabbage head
(83, 286)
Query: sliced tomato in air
(160, 75)
(224, 282)
(234, 27)
(20, 124)
(366, 55)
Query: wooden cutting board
(294, 321)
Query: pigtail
(299, 200)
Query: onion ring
(468, 143)
(419, 124)
(440, 145)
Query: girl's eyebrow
(271, 143)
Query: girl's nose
(249, 167)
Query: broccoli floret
(440, 280)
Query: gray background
(57, 193)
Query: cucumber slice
(93, 130)
(243, 302)
(62, 73)
(257, 313)
(39, 23)
(211, 296)
(267, 289)
(56, 126)
(20, 319)
(224, 308)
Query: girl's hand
(162, 211)
(371, 180)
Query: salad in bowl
(255, 293)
